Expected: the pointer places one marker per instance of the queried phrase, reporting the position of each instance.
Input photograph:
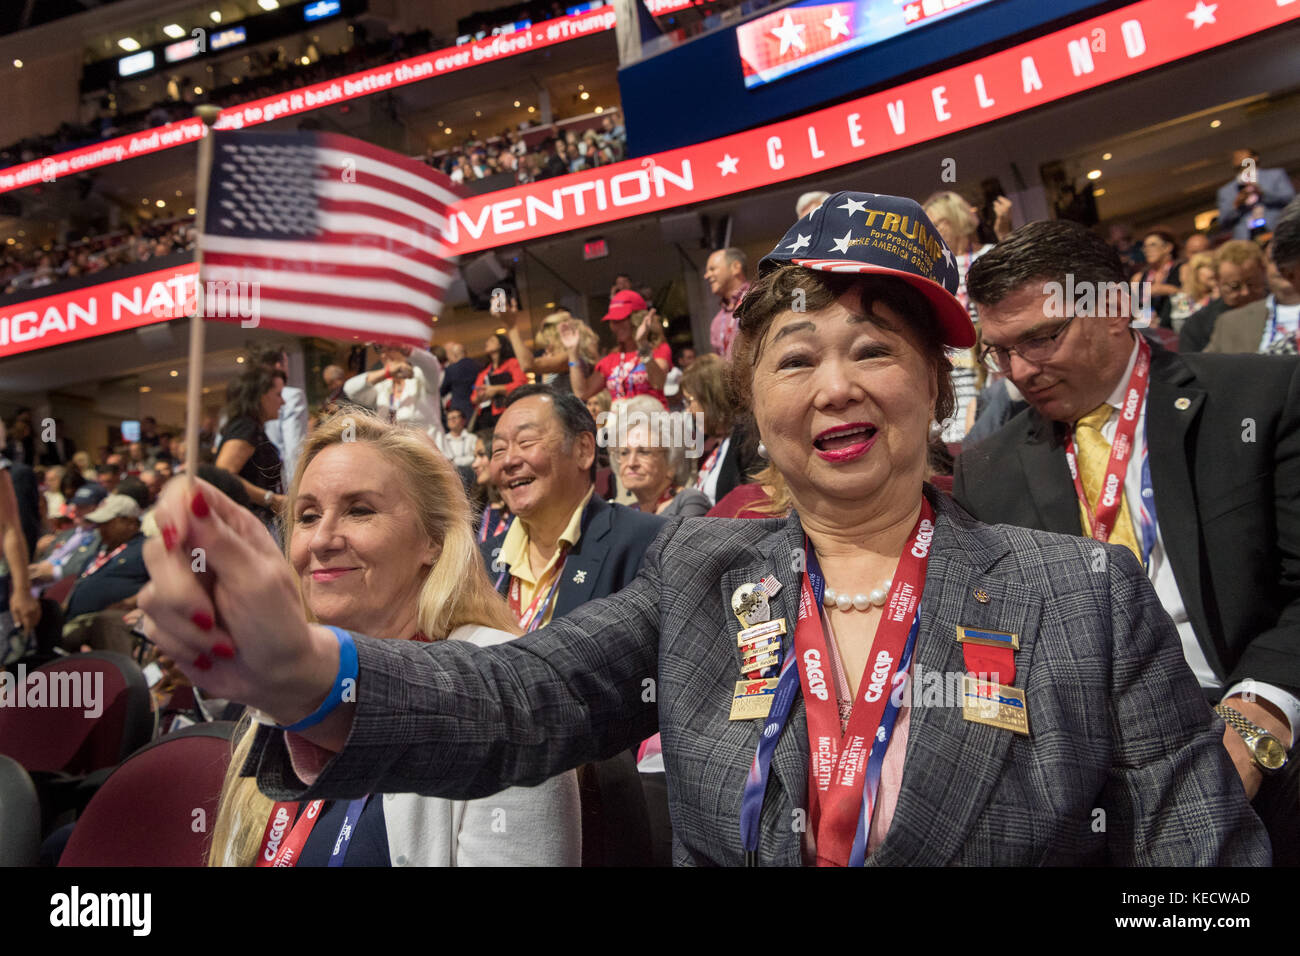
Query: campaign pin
(750, 605)
(1182, 404)
(982, 596)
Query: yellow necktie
(1093, 452)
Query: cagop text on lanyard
(844, 765)
(1102, 519)
(279, 850)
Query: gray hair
(662, 427)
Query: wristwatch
(1268, 751)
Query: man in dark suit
(61, 449)
(458, 379)
(1253, 199)
(566, 547)
(1215, 517)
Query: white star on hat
(799, 243)
(790, 34)
(837, 23)
(947, 254)
(853, 205)
(1204, 13)
(728, 164)
(842, 244)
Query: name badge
(752, 699)
(767, 629)
(977, 635)
(997, 705)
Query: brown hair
(771, 295)
(706, 381)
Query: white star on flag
(947, 254)
(837, 23)
(790, 34)
(853, 205)
(799, 243)
(728, 164)
(1203, 14)
(842, 244)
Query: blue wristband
(348, 670)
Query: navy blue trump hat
(879, 235)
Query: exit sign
(595, 249)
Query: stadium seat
(158, 808)
(63, 740)
(20, 815)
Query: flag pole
(208, 113)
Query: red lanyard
(707, 468)
(278, 849)
(1102, 519)
(838, 758)
(531, 618)
(102, 560)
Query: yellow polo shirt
(514, 555)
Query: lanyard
(344, 840)
(102, 560)
(844, 766)
(707, 468)
(1102, 519)
(280, 850)
(531, 618)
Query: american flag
(343, 239)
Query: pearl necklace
(862, 602)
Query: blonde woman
(552, 366)
(377, 531)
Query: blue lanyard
(751, 806)
(344, 840)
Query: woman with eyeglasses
(1160, 249)
(652, 463)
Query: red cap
(623, 303)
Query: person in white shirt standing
(404, 389)
(286, 431)
(456, 443)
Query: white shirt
(419, 402)
(459, 450)
(707, 482)
(1161, 572)
(1284, 323)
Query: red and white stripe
(377, 270)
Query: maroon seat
(159, 807)
(64, 739)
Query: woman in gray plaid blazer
(875, 679)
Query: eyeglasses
(1035, 351)
(1247, 285)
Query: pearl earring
(762, 450)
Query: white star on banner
(800, 243)
(911, 12)
(837, 23)
(1203, 14)
(728, 164)
(853, 205)
(842, 244)
(790, 34)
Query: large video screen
(804, 34)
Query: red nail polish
(169, 537)
(223, 650)
(199, 504)
(203, 662)
(202, 620)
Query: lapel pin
(579, 577)
(750, 605)
(1182, 404)
(982, 596)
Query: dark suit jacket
(1198, 328)
(1239, 330)
(1226, 476)
(607, 557)
(1116, 720)
(458, 379)
(741, 460)
(117, 580)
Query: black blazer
(740, 461)
(1226, 474)
(606, 559)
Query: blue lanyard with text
(344, 840)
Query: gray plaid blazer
(1124, 763)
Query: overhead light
(18, 64)
(581, 87)
(129, 44)
(145, 388)
(1215, 124)
(500, 331)
(447, 130)
(1101, 191)
(144, 202)
(178, 194)
(1105, 156)
(1094, 174)
(173, 373)
(478, 113)
(269, 4)
(532, 109)
(516, 104)
(239, 359)
(198, 91)
(9, 241)
(161, 204)
(22, 233)
(206, 389)
(305, 60)
(174, 30)
(215, 16)
(584, 95)
(190, 211)
(600, 109)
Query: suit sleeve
(358, 390)
(1274, 655)
(1228, 211)
(1172, 797)
(1279, 192)
(293, 427)
(454, 720)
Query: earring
(762, 451)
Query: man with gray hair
(806, 203)
(725, 274)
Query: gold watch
(1269, 752)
